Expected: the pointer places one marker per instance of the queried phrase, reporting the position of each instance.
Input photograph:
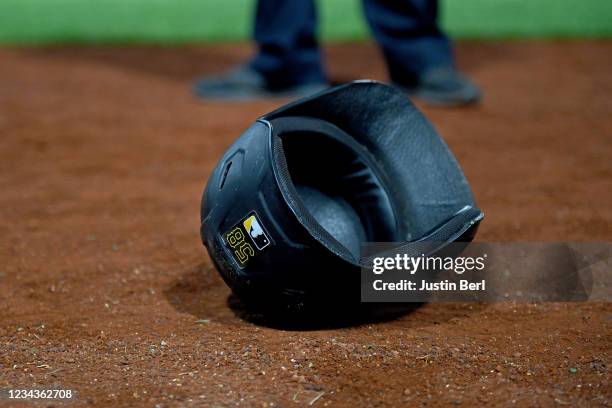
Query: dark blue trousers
(406, 30)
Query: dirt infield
(106, 289)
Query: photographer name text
(424, 285)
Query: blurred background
(104, 153)
(188, 21)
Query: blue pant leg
(408, 33)
(285, 32)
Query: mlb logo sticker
(241, 246)
(257, 234)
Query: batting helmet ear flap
(428, 185)
(290, 203)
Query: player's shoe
(443, 87)
(244, 84)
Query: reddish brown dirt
(104, 155)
